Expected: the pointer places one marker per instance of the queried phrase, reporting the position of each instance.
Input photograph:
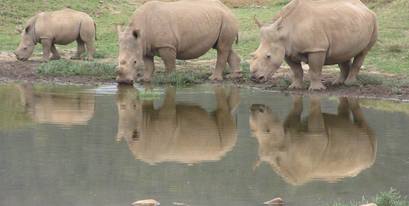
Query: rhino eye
(268, 56)
(25, 48)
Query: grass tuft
(76, 68)
(179, 79)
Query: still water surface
(205, 145)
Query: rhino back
(341, 28)
(63, 25)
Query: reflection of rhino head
(322, 146)
(176, 132)
(63, 108)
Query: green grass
(390, 54)
(389, 198)
(77, 68)
(180, 78)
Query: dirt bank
(373, 83)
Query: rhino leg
(46, 43)
(316, 61)
(222, 56)
(168, 56)
(345, 68)
(90, 49)
(149, 68)
(356, 66)
(55, 55)
(234, 63)
(80, 49)
(298, 74)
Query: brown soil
(11, 71)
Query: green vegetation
(390, 198)
(390, 54)
(180, 78)
(77, 68)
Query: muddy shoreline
(15, 71)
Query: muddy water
(198, 146)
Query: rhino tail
(95, 28)
(237, 38)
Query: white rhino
(67, 109)
(324, 146)
(323, 32)
(180, 133)
(183, 30)
(57, 27)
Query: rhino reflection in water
(65, 108)
(177, 132)
(322, 146)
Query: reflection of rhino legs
(294, 116)
(357, 112)
(168, 107)
(27, 97)
(315, 117)
(343, 108)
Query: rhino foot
(296, 85)
(216, 78)
(55, 58)
(235, 75)
(317, 87)
(351, 82)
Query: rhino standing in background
(323, 146)
(323, 32)
(183, 30)
(58, 27)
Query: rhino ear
(136, 33)
(27, 29)
(279, 23)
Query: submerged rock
(148, 202)
(275, 202)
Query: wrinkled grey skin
(58, 27)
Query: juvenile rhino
(177, 132)
(58, 27)
(183, 30)
(318, 33)
(323, 146)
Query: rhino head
(269, 56)
(130, 56)
(26, 47)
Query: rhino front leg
(168, 56)
(55, 55)
(149, 68)
(46, 43)
(316, 61)
(298, 74)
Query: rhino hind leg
(80, 49)
(55, 55)
(90, 49)
(345, 68)
(355, 67)
(234, 63)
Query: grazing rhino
(183, 30)
(182, 133)
(58, 27)
(323, 32)
(67, 109)
(324, 146)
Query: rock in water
(275, 202)
(148, 202)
